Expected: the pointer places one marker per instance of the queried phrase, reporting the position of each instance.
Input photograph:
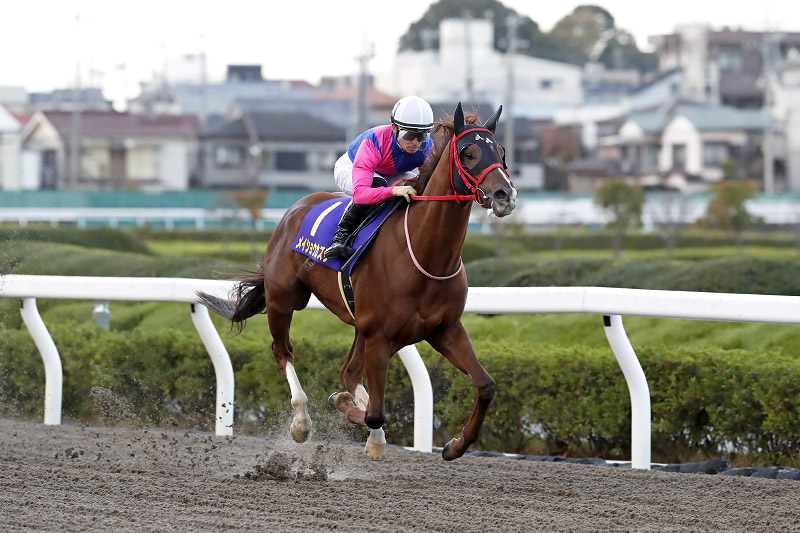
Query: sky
(115, 45)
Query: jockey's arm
(366, 161)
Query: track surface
(80, 478)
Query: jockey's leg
(353, 216)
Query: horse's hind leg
(280, 308)
(354, 402)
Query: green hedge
(55, 259)
(734, 404)
(106, 238)
(598, 240)
(743, 275)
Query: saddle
(316, 233)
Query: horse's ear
(458, 119)
(491, 124)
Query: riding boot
(353, 216)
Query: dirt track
(99, 478)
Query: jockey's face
(407, 146)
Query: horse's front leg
(455, 345)
(376, 442)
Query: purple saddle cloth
(319, 225)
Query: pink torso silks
(377, 150)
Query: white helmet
(413, 113)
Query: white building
(115, 151)
(467, 67)
(787, 110)
(9, 151)
(698, 139)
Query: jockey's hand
(404, 191)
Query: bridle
(467, 181)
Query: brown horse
(410, 286)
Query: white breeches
(343, 174)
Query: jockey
(390, 150)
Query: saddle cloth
(319, 225)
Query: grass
(236, 251)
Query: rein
(414, 259)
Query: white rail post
(637, 386)
(222, 368)
(53, 374)
(423, 398)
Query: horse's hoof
(332, 399)
(341, 401)
(375, 450)
(300, 435)
(447, 451)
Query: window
(679, 156)
(714, 153)
(730, 61)
(651, 155)
(290, 161)
(228, 156)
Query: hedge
(706, 403)
(106, 238)
(742, 275)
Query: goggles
(411, 135)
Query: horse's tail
(248, 299)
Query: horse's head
(478, 164)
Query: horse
(409, 286)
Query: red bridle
(468, 179)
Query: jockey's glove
(404, 191)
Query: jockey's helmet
(413, 113)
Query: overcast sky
(121, 43)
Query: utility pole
(203, 82)
(769, 174)
(367, 53)
(511, 51)
(75, 125)
(468, 53)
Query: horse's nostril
(501, 196)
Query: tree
(573, 39)
(726, 210)
(425, 32)
(625, 202)
(252, 200)
(670, 209)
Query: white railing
(607, 302)
(102, 289)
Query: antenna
(367, 53)
(75, 125)
(511, 51)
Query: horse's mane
(441, 134)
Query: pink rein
(414, 259)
